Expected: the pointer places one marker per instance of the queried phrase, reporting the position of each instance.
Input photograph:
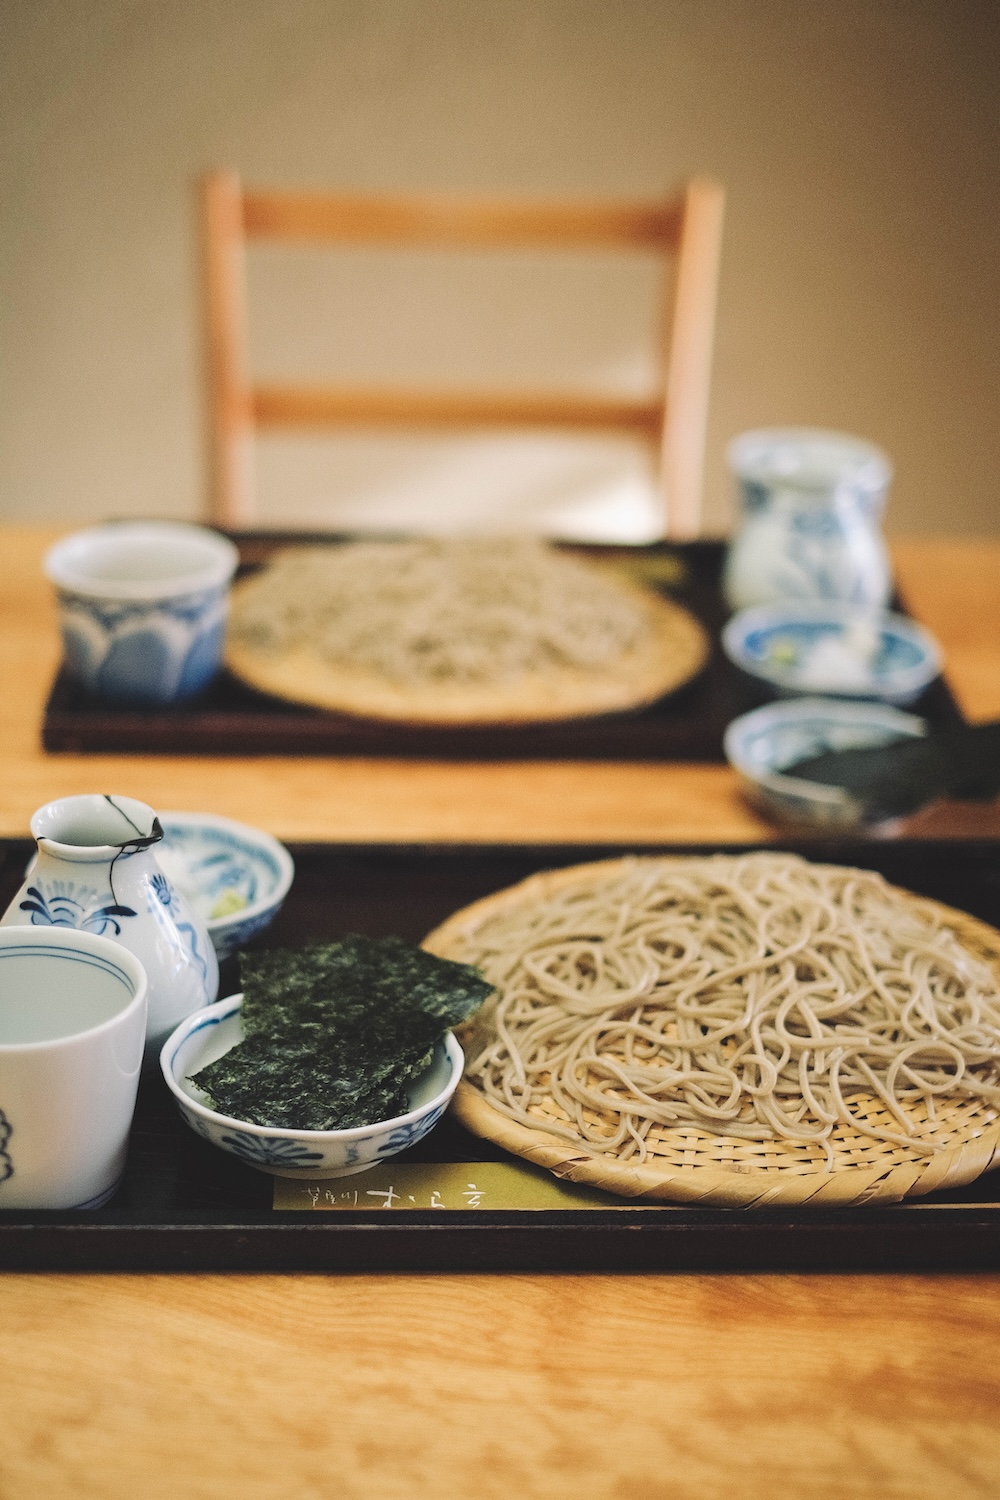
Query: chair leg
(690, 359)
(229, 413)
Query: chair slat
(457, 222)
(306, 406)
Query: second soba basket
(689, 1165)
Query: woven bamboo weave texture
(693, 1166)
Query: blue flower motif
(192, 938)
(63, 910)
(238, 937)
(196, 1123)
(817, 523)
(223, 871)
(164, 893)
(6, 1165)
(408, 1135)
(257, 1151)
(189, 610)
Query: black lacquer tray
(233, 719)
(184, 1205)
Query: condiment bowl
(762, 745)
(233, 876)
(829, 647)
(297, 1153)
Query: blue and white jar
(142, 608)
(96, 871)
(812, 504)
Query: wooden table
(623, 1388)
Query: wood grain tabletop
(952, 586)
(536, 1387)
(596, 1387)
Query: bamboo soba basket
(688, 1165)
(673, 650)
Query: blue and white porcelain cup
(142, 608)
(72, 1024)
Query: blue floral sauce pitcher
(812, 504)
(96, 870)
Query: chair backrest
(685, 229)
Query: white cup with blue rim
(142, 608)
(72, 1029)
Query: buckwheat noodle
(483, 610)
(758, 996)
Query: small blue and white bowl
(211, 1033)
(233, 876)
(826, 647)
(762, 745)
(142, 608)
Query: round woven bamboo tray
(671, 653)
(690, 1166)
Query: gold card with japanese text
(450, 1186)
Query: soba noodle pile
(757, 996)
(471, 610)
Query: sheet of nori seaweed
(891, 781)
(335, 1032)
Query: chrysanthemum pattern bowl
(297, 1153)
(764, 744)
(833, 648)
(235, 877)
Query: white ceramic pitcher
(812, 503)
(96, 870)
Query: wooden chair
(686, 229)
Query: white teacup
(72, 1027)
(142, 607)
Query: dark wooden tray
(186, 1206)
(232, 719)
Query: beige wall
(858, 140)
